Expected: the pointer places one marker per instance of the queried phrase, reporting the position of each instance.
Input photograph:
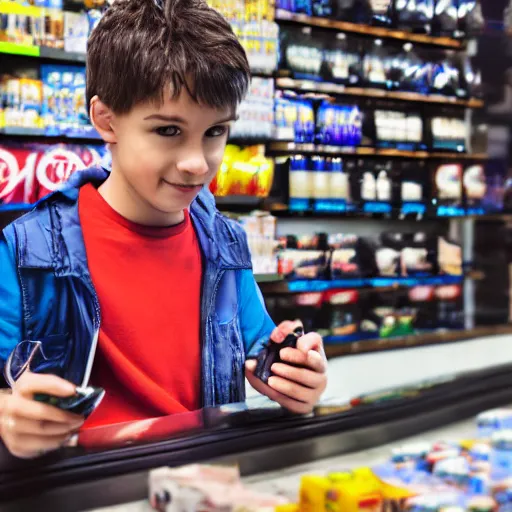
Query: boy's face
(167, 153)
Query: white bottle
(368, 187)
(383, 187)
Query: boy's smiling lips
(186, 189)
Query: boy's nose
(193, 164)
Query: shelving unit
(343, 26)
(334, 348)
(284, 148)
(342, 90)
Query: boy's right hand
(29, 428)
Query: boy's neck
(122, 198)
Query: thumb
(250, 365)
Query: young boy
(131, 279)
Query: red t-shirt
(148, 282)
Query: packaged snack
(286, 117)
(303, 260)
(76, 32)
(401, 130)
(339, 125)
(449, 134)
(304, 128)
(388, 255)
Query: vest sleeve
(255, 322)
(10, 304)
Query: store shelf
(335, 347)
(303, 286)
(88, 133)
(342, 26)
(330, 88)
(314, 149)
(42, 52)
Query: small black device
(83, 402)
(271, 354)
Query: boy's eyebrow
(178, 119)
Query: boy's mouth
(186, 189)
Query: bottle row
(368, 186)
(453, 18)
(372, 123)
(361, 62)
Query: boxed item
(398, 129)
(447, 190)
(76, 32)
(294, 118)
(389, 254)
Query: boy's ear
(101, 118)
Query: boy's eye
(168, 131)
(217, 131)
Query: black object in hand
(271, 354)
(83, 402)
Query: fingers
(294, 406)
(282, 330)
(29, 446)
(311, 360)
(42, 428)
(19, 407)
(310, 341)
(30, 383)
(307, 378)
(292, 390)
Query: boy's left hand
(296, 389)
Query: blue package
(322, 8)
(305, 124)
(303, 7)
(285, 118)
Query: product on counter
(29, 172)
(244, 171)
(207, 488)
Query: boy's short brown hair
(142, 48)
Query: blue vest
(61, 308)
